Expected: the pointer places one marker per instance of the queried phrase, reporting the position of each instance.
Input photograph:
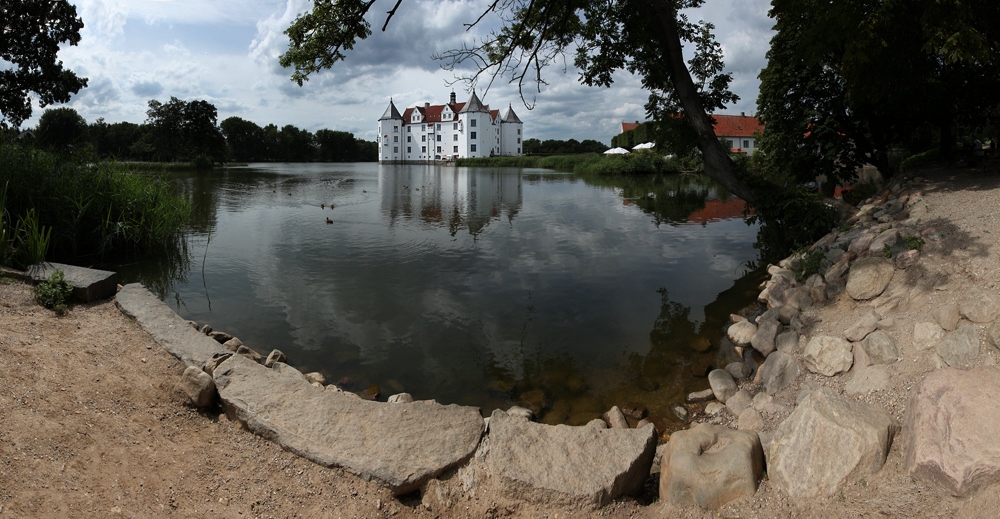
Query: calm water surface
(479, 286)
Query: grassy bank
(594, 163)
(77, 211)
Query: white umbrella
(644, 146)
(616, 151)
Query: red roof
(432, 113)
(629, 126)
(737, 126)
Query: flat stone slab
(578, 466)
(88, 284)
(166, 327)
(402, 445)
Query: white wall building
(446, 132)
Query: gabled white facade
(445, 132)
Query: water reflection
(487, 287)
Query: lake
(479, 286)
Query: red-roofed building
(738, 130)
(445, 132)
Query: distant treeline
(556, 147)
(187, 131)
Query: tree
(61, 128)
(334, 146)
(847, 81)
(244, 138)
(32, 31)
(181, 131)
(644, 37)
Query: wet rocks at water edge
(723, 385)
(275, 356)
(779, 371)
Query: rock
(861, 359)
(888, 237)
(828, 441)
(889, 323)
(597, 423)
(88, 284)
(233, 344)
(946, 316)
(316, 376)
(907, 259)
(206, 329)
(248, 353)
(736, 318)
(214, 362)
(741, 333)
(337, 430)
(615, 418)
(288, 371)
(709, 466)
(763, 339)
(739, 370)
(960, 348)
(372, 392)
(198, 386)
(866, 380)
(927, 335)
(534, 400)
(714, 408)
(680, 412)
(786, 314)
(739, 402)
(635, 410)
(836, 271)
(979, 306)
(526, 414)
(779, 371)
(827, 355)
(881, 348)
(867, 324)
(760, 400)
(787, 341)
(868, 277)
(275, 356)
(861, 243)
(700, 396)
(723, 384)
(952, 429)
(798, 297)
(192, 323)
(581, 466)
(167, 329)
(993, 334)
(400, 398)
(220, 337)
(750, 420)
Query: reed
(90, 209)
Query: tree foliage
(644, 37)
(849, 80)
(32, 31)
(61, 128)
(555, 146)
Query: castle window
(746, 144)
(408, 149)
(408, 137)
(472, 123)
(395, 138)
(473, 147)
(423, 127)
(423, 149)
(473, 135)
(455, 137)
(519, 140)
(439, 137)
(456, 149)
(438, 126)
(454, 126)
(408, 128)
(519, 131)
(395, 129)
(423, 138)
(395, 149)
(439, 149)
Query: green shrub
(789, 218)
(859, 193)
(919, 159)
(913, 242)
(887, 251)
(54, 293)
(809, 265)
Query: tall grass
(90, 209)
(635, 163)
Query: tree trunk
(718, 165)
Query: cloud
(147, 88)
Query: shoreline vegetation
(58, 207)
(592, 163)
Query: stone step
(88, 284)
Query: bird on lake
(364, 191)
(329, 220)
(322, 205)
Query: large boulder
(710, 465)
(960, 348)
(198, 386)
(723, 384)
(579, 466)
(779, 371)
(763, 339)
(829, 440)
(868, 277)
(952, 429)
(402, 445)
(827, 355)
(741, 333)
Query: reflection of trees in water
(159, 270)
(670, 198)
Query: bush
(790, 218)
(859, 193)
(83, 208)
(54, 293)
(919, 159)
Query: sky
(226, 52)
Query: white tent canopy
(644, 146)
(616, 151)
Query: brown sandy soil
(90, 425)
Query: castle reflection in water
(450, 197)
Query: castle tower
(390, 128)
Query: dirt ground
(90, 425)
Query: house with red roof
(738, 131)
(431, 133)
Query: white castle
(445, 132)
